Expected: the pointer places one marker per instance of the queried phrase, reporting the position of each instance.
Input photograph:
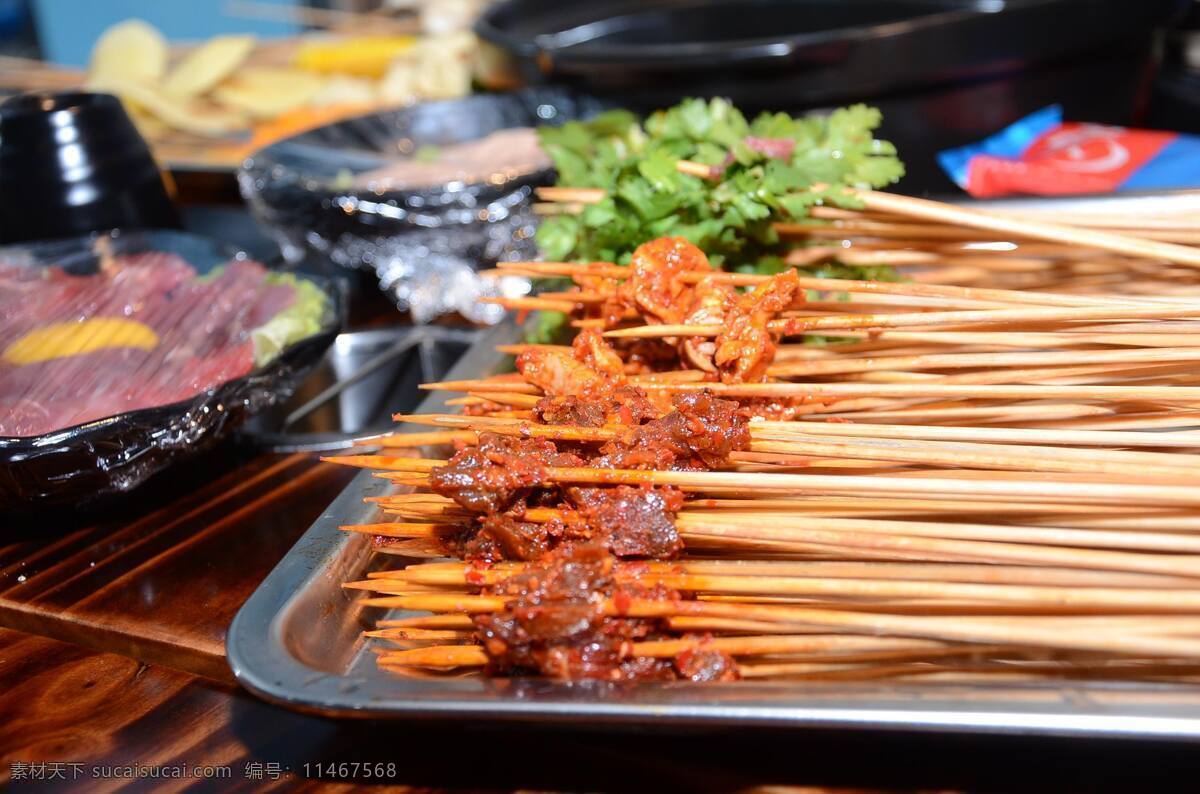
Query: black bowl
(72, 163)
(107, 457)
(301, 188)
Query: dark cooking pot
(945, 72)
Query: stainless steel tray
(364, 378)
(297, 642)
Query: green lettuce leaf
(304, 317)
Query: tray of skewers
(959, 495)
(771, 544)
(124, 352)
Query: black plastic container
(99, 460)
(422, 243)
(945, 72)
(73, 163)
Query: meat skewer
(830, 285)
(611, 502)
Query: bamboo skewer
(978, 573)
(525, 395)
(907, 230)
(982, 360)
(761, 429)
(831, 648)
(1042, 632)
(851, 506)
(1187, 601)
(961, 217)
(1184, 219)
(794, 441)
(998, 506)
(833, 285)
(955, 319)
(1054, 232)
(1104, 492)
(834, 391)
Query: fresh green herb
(546, 328)
(770, 166)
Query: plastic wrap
(99, 456)
(424, 244)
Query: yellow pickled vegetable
(181, 114)
(365, 56)
(207, 65)
(60, 340)
(132, 51)
(266, 91)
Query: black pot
(73, 163)
(945, 72)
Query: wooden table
(120, 661)
(161, 576)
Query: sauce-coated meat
(745, 348)
(712, 302)
(555, 624)
(561, 374)
(700, 433)
(586, 386)
(516, 540)
(593, 351)
(701, 664)
(487, 478)
(621, 405)
(656, 285)
(632, 522)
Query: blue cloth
(1011, 141)
(67, 29)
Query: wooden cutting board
(159, 576)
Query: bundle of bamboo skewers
(974, 482)
(1134, 249)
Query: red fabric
(1071, 158)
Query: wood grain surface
(159, 576)
(63, 704)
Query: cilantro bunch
(767, 170)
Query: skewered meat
(489, 477)
(515, 540)
(745, 349)
(699, 433)
(632, 522)
(591, 350)
(561, 374)
(586, 387)
(701, 664)
(712, 302)
(655, 286)
(622, 405)
(555, 624)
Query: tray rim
(261, 663)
